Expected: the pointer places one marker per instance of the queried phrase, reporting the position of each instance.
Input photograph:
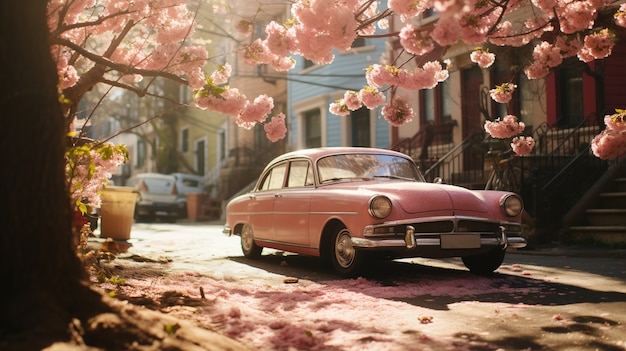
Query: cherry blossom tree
(318, 28)
(55, 51)
(140, 47)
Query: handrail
(573, 132)
(452, 151)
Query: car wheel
(248, 246)
(485, 263)
(346, 260)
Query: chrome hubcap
(246, 238)
(344, 251)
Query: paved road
(590, 291)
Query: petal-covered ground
(349, 314)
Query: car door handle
(278, 195)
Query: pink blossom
(620, 16)
(398, 112)
(275, 129)
(505, 128)
(339, 108)
(417, 42)
(546, 5)
(352, 100)
(228, 101)
(522, 145)
(575, 16)
(258, 110)
(279, 40)
(503, 93)
(380, 75)
(245, 27)
(609, 144)
(371, 97)
(446, 31)
(89, 168)
(599, 44)
(222, 74)
(283, 64)
(568, 45)
(545, 56)
(616, 121)
(406, 8)
(256, 52)
(483, 58)
(536, 70)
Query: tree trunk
(46, 302)
(39, 270)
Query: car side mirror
(438, 180)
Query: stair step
(606, 234)
(613, 200)
(606, 217)
(620, 184)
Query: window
(313, 128)
(436, 104)
(570, 83)
(184, 140)
(221, 145)
(360, 120)
(300, 174)
(274, 178)
(358, 42)
(141, 153)
(308, 63)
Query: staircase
(567, 190)
(601, 214)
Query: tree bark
(39, 270)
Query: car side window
(274, 178)
(300, 174)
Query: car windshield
(366, 166)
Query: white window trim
(219, 146)
(300, 108)
(181, 139)
(206, 153)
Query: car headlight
(511, 205)
(380, 206)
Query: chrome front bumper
(226, 231)
(410, 240)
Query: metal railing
(551, 179)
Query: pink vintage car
(349, 205)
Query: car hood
(415, 197)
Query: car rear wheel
(346, 260)
(485, 263)
(248, 246)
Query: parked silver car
(157, 197)
(187, 184)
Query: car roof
(153, 175)
(187, 175)
(317, 153)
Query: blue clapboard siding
(324, 82)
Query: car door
(261, 204)
(291, 205)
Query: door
(472, 79)
(261, 204)
(291, 205)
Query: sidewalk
(571, 250)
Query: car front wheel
(345, 258)
(248, 246)
(485, 263)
